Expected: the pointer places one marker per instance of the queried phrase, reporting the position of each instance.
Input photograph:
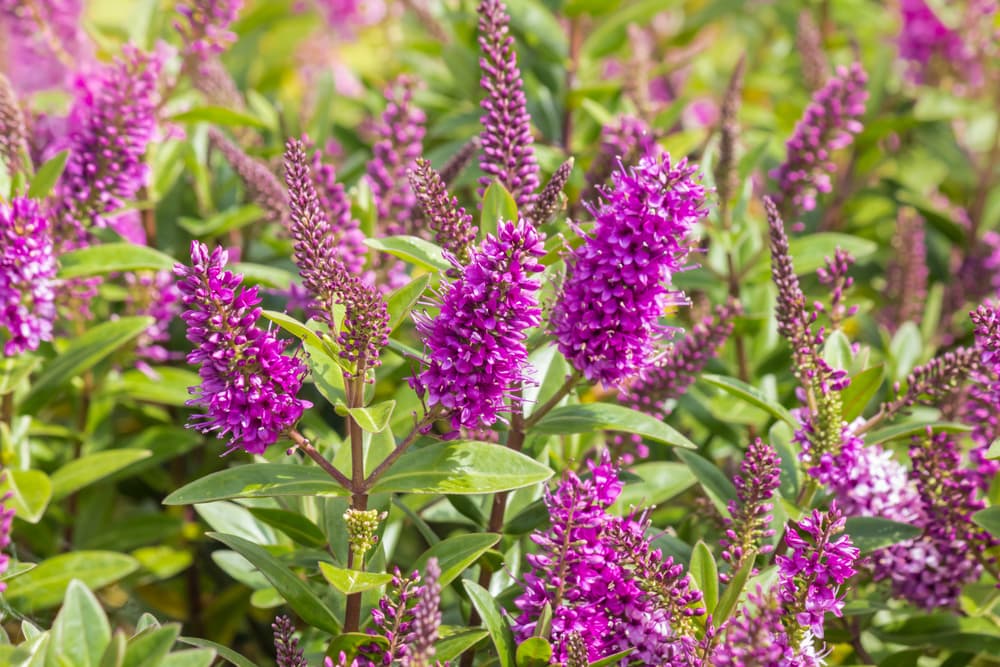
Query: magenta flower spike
(606, 319)
(476, 343)
(508, 150)
(249, 387)
(27, 276)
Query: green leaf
(913, 428)
(993, 453)
(297, 593)
(989, 519)
(533, 652)
(259, 274)
(810, 252)
(190, 658)
(257, 480)
(224, 652)
(749, 394)
(352, 581)
(869, 533)
(221, 223)
(400, 303)
(350, 642)
(326, 374)
(99, 260)
(45, 585)
(82, 354)
(613, 659)
(217, 115)
(114, 654)
(454, 644)
(150, 646)
(731, 596)
(47, 176)
(714, 481)
(88, 469)
(169, 387)
(461, 467)
(296, 526)
(14, 369)
(81, 631)
(905, 349)
(590, 417)
(498, 204)
(659, 481)
(456, 554)
(863, 387)
(416, 251)
(705, 573)
(31, 492)
(293, 326)
(494, 621)
(374, 418)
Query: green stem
(547, 406)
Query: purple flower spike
(452, 226)
(27, 276)
(755, 486)
(286, 646)
(607, 317)
(426, 619)
(624, 142)
(111, 122)
(248, 389)
(476, 343)
(205, 28)
(6, 520)
(344, 227)
(400, 143)
(156, 295)
(508, 152)
(830, 122)
(393, 618)
(13, 134)
(817, 563)
(42, 42)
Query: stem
(307, 447)
(575, 43)
(853, 628)
(399, 450)
(7, 409)
(359, 499)
(560, 394)
(81, 427)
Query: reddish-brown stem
(310, 451)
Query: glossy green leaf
(810, 252)
(494, 621)
(45, 585)
(590, 417)
(498, 204)
(454, 643)
(353, 581)
(658, 482)
(31, 491)
(326, 374)
(296, 592)
(461, 467)
(863, 387)
(47, 176)
(905, 349)
(217, 115)
(715, 482)
(14, 369)
(869, 533)
(913, 428)
(412, 249)
(150, 646)
(374, 418)
(456, 554)
(750, 395)
(88, 469)
(613, 659)
(260, 274)
(401, 302)
(292, 524)
(533, 652)
(81, 632)
(168, 387)
(99, 260)
(705, 573)
(81, 354)
(731, 596)
(257, 480)
(293, 326)
(202, 657)
(225, 221)
(989, 519)
(223, 652)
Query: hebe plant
(571, 333)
